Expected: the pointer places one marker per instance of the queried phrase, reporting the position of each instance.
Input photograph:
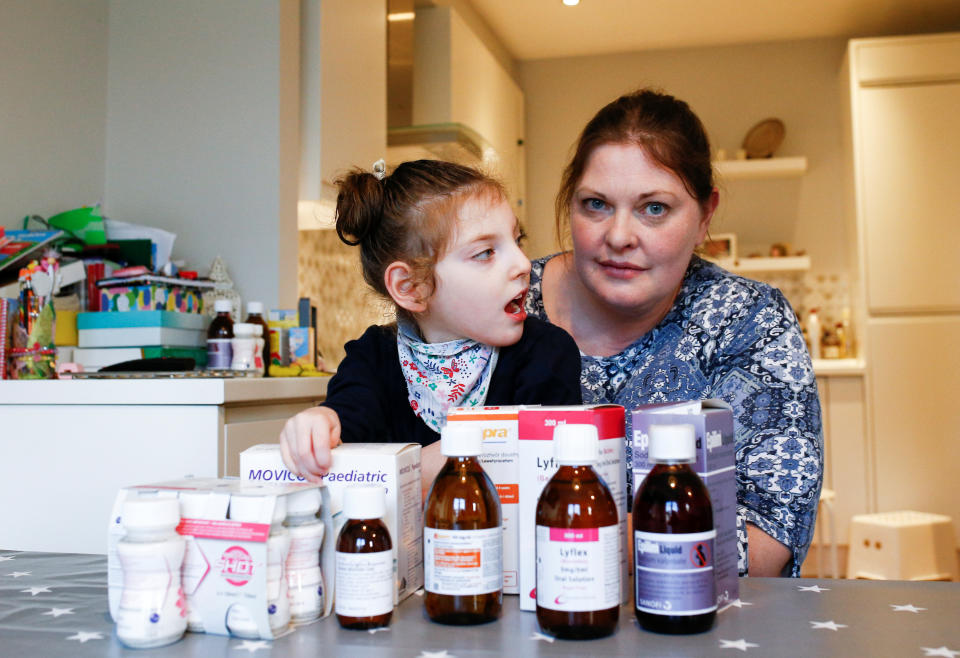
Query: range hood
(444, 141)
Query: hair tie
(380, 169)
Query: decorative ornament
(222, 289)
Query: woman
(654, 322)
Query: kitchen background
(226, 122)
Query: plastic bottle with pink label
(304, 580)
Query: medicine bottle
(219, 335)
(304, 581)
(193, 505)
(152, 611)
(255, 317)
(244, 347)
(462, 535)
(364, 580)
(673, 539)
(578, 542)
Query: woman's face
(634, 227)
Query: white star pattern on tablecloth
(741, 644)
(251, 645)
(832, 625)
(4, 558)
(435, 654)
(379, 629)
(33, 591)
(56, 612)
(940, 651)
(83, 636)
(17, 574)
(739, 604)
(906, 608)
(537, 635)
(812, 588)
(419, 592)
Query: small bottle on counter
(219, 335)
(814, 333)
(578, 542)
(675, 590)
(462, 516)
(304, 580)
(255, 316)
(364, 580)
(244, 347)
(830, 345)
(152, 610)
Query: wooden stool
(902, 545)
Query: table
(54, 604)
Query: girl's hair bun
(359, 206)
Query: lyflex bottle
(304, 580)
(364, 572)
(578, 542)
(673, 538)
(462, 535)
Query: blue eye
(656, 209)
(486, 254)
(594, 204)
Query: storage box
(537, 466)
(94, 358)
(713, 421)
(152, 293)
(301, 344)
(138, 328)
(396, 466)
(500, 459)
(233, 552)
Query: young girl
(441, 241)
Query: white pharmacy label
(463, 562)
(364, 584)
(578, 569)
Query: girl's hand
(306, 440)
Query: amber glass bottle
(578, 542)
(364, 580)
(673, 538)
(219, 335)
(462, 535)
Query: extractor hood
(444, 141)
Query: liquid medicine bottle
(364, 580)
(219, 335)
(462, 535)
(304, 581)
(578, 542)
(152, 611)
(255, 317)
(673, 543)
(244, 347)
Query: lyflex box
(224, 574)
(395, 466)
(713, 422)
(500, 459)
(537, 466)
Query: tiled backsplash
(827, 291)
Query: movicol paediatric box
(713, 422)
(500, 459)
(225, 566)
(396, 466)
(537, 466)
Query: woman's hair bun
(359, 206)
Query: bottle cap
(242, 329)
(249, 509)
(364, 502)
(673, 443)
(461, 440)
(575, 445)
(303, 503)
(151, 514)
(193, 504)
(257, 329)
(222, 305)
(279, 510)
(255, 307)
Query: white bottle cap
(222, 305)
(304, 503)
(193, 504)
(242, 329)
(364, 502)
(461, 440)
(249, 509)
(151, 514)
(279, 510)
(255, 307)
(257, 330)
(673, 443)
(575, 445)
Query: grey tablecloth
(54, 605)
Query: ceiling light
(571, 3)
(407, 15)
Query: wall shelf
(761, 168)
(781, 264)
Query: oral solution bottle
(462, 535)
(578, 542)
(673, 538)
(304, 580)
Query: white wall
(203, 132)
(53, 89)
(730, 88)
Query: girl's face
(481, 280)
(634, 227)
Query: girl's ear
(406, 291)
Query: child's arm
(306, 440)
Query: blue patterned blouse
(736, 339)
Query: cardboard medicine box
(537, 466)
(715, 464)
(396, 466)
(226, 560)
(500, 459)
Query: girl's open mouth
(515, 306)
